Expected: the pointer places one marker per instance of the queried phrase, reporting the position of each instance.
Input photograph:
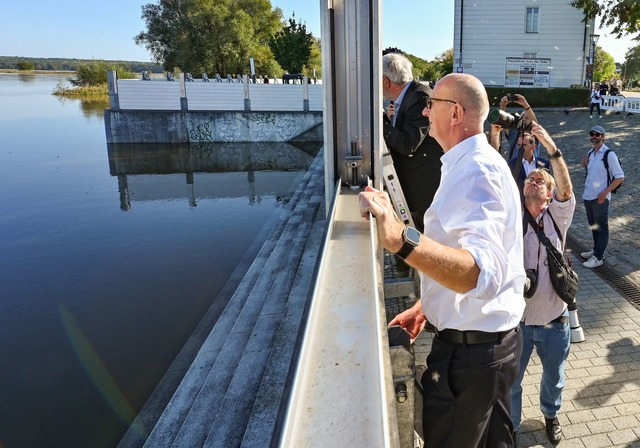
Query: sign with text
(527, 72)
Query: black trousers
(467, 393)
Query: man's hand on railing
(390, 228)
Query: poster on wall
(526, 72)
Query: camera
(507, 120)
(512, 97)
(530, 283)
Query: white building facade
(521, 43)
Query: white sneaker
(600, 117)
(590, 116)
(587, 255)
(592, 262)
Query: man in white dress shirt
(470, 260)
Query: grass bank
(100, 91)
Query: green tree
(292, 45)
(315, 60)
(25, 65)
(209, 36)
(604, 65)
(94, 73)
(440, 66)
(622, 15)
(631, 68)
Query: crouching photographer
(548, 211)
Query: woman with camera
(545, 325)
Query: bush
(25, 65)
(95, 73)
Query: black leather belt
(560, 320)
(470, 337)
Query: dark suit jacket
(416, 156)
(540, 163)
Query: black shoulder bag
(563, 278)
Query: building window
(530, 55)
(533, 17)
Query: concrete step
(214, 403)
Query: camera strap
(538, 229)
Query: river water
(110, 257)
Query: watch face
(412, 235)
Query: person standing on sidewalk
(595, 102)
(545, 324)
(597, 194)
(529, 159)
(470, 261)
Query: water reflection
(252, 170)
(90, 107)
(94, 107)
(27, 77)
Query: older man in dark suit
(416, 155)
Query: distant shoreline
(36, 72)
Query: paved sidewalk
(601, 401)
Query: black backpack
(605, 160)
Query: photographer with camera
(545, 325)
(527, 116)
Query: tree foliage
(604, 67)
(442, 65)
(622, 15)
(25, 65)
(631, 68)
(94, 73)
(315, 60)
(292, 46)
(210, 36)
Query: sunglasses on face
(429, 102)
(535, 180)
(594, 134)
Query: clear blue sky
(105, 30)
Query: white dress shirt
(477, 208)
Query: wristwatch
(411, 239)
(556, 155)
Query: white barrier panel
(148, 95)
(613, 103)
(215, 96)
(632, 105)
(316, 97)
(281, 97)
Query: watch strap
(405, 250)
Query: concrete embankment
(154, 126)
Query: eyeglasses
(429, 102)
(595, 134)
(535, 180)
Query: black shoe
(554, 431)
